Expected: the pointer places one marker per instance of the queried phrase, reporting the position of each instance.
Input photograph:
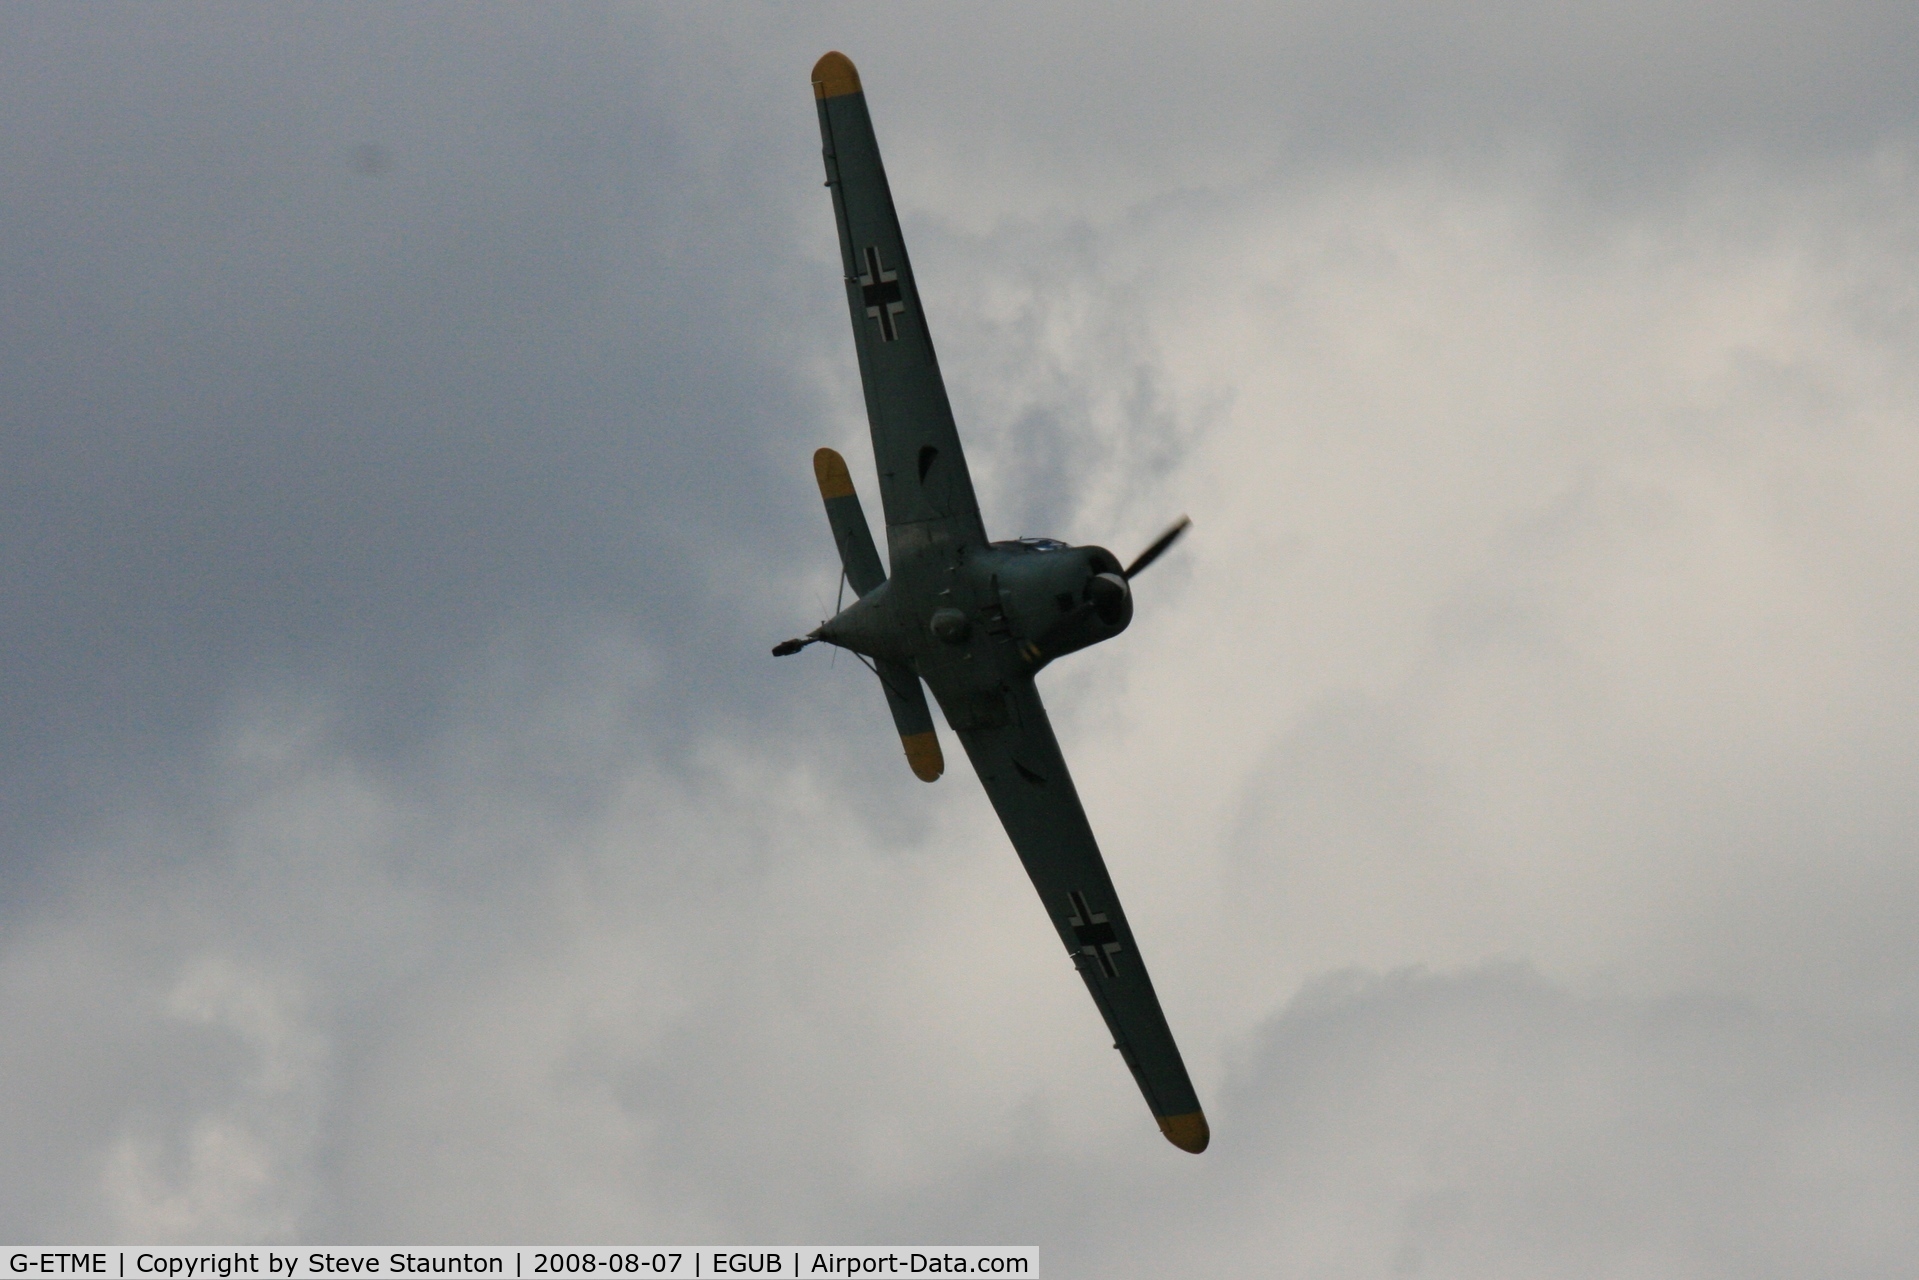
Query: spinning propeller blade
(1158, 548)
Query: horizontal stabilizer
(850, 531)
(907, 700)
(924, 757)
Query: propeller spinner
(1108, 592)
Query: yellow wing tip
(834, 76)
(923, 753)
(1188, 1132)
(830, 470)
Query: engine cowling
(1058, 598)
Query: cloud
(1488, 1123)
(409, 837)
(236, 1171)
(1530, 560)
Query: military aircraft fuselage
(969, 619)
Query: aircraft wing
(1026, 777)
(925, 489)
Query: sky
(405, 444)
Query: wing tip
(923, 753)
(834, 76)
(1188, 1132)
(830, 470)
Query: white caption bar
(521, 1262)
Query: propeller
(1110, 593)
(1158, 549)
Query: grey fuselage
(970, 620)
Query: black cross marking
(1096, 936)
(881, 292)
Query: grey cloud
(1489, 1124)
(407, 836)
(1086, 106)
(280, 419)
